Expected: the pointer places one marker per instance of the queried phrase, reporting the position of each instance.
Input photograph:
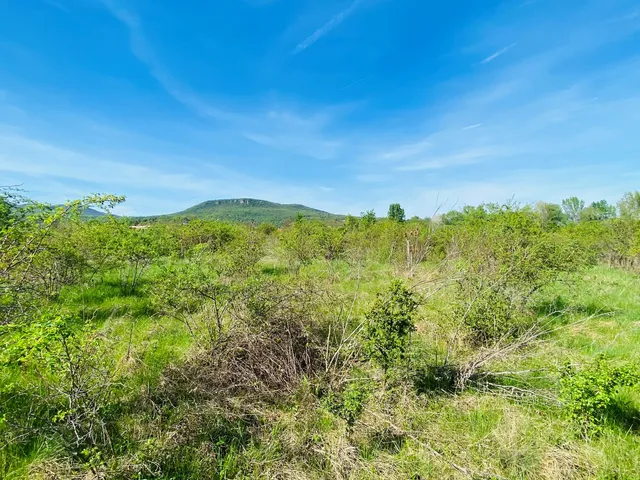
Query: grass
(486, 433)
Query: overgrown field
(497, 342)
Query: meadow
(493, 342)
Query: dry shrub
(270, 347)
(267, 364)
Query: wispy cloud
(141, 48)
(353, 84)
(170, 183)
(404, 151)
(472, 127)
(275, 128)
(458, 159)
(57, 5)
(497, 54)
(336, 20)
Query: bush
(301, 242)
(78, 383)
(500, 262)
(265, 352)
(351, 402)
(389, 324)
(589, 393)
(489, 313)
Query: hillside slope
(249, 210)
(92, 213)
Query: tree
(598, 211)
(551, 214)
(368, 218)
(629, 205)
(351, 223)
(396, 212)
(135, 250)
(572, 207)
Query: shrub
(589, 393)
(301, 242)
(26, 231)
(489, 312)
(78, 382)
(267, 228)
(331, 241)
(185, 290)
(134, 251)
(351, 402)
(500, 262)
(268, 349)
(389, 324)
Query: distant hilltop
(248, 210)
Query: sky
(342, 105)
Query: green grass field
(514, 430)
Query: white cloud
(457, 159)
(336, 20)
(278, 128)
(405, 151)
(55, 173)
(497, 54)
(141, 48)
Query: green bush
(389, 324)
(499, 263)
(301, 242)
(351, 402)
(489, 313)
(589, 393)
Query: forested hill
(92, 213)
(248, 210)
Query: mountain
(91, 213)
(249, 210)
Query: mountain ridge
(248, 210)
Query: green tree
(598, 211)
(468, 213)
(351, 223)
(26, 237)
(396, 213)
(134, 250)
(368, 218)
(551, 215)
(572, 207)
(629, 205)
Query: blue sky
(343, 105)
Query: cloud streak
(336, 20)
(142, 50)
(497, 54)
(459, 159)
(280, 130)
